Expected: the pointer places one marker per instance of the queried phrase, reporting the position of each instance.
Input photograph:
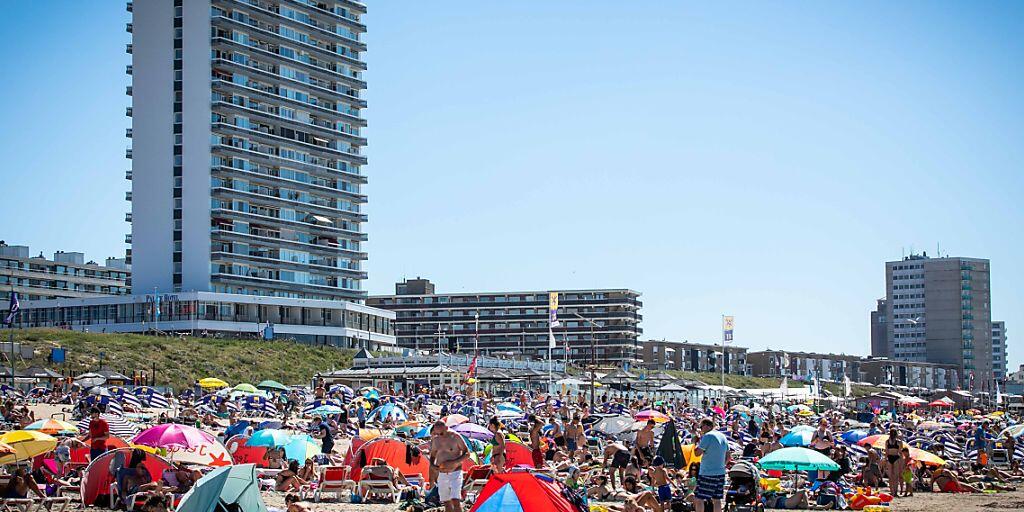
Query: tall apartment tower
(246, 173)
(879, 334)
(939, 310)
(999, 350)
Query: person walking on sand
(447, 452)
(713, 449)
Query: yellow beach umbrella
(26, 444)
(212, 383)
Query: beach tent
(522, 492)
(223, 489)
(517, 455)
(97, 477)
(395, 453)
(240, 451)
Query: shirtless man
(572, 436)
(447, 452)
(616, 458)
(645, 444)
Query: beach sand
(921, 502)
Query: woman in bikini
(497, 445)
(894, 470)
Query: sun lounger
(55, 504)
(335, 480)
(379, 489)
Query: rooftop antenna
(938, 251)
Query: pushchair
(744, 493)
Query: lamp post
(593, 357)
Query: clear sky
(755, 159)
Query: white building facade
(246, 173)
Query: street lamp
(593, 357)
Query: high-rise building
(999, 350)
(516, 323)
(246, 165)
(879, 336)
(939, 310)
(246, 178)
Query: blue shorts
(664, 493)
(710, 487)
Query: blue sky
(760, 160)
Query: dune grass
(180, 361)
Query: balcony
(128, 28)
(128, 132)
(128, 48)
(128, 70)
(128, 112)
(128, 195)
(333, 51)
(128, 153)
(128, 238)
(128, 90)
(128, 175)
(129, 7)
(128, 217)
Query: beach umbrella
(797, 407)
(613, 425)
(409, 427)
(270, 438)
(934, 425)
(718, 410)
(89, 380)
(388, 411)
(852, 436)
(173, 435)
(26, 444)
(106, 403)
(248, 389)
(740, 408)
(151, 397)
(473, 431)
(225, 488)
(926, 457)
(510, 408)
(797, 459)
(40, 390)
(651, 414)
(236, 429)
(454, 419)
(212, 383)
(326, 410)
(369, 393)
(119, 426)
(1013, 430)
(52, 426)
(300, 448)
(797, 438)
(271, 385)
(670, 449)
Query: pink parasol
(173, 435)
(651, 414)
(454, 419)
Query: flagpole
(476, 347)
(723, 353)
